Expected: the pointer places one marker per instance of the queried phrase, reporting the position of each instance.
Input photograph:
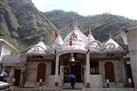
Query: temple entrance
(74, 68)
(41, 72)
(109, 71)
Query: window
(94, 67)
(53, 68)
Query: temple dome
(75, 41)
(111, 45)
(38, 48)
(92, 43)
(57, 45)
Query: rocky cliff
(23, 24)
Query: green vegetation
(101, 25)
(22, 25)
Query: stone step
(69, 89)
(77, 85)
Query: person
(23, 79)
(40, 84)
(72, 79)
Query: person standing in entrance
(72, 79)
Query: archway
(109, 71)
(41, 72)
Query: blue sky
(91, 7)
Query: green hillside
(101, 25)
(22, 24)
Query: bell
(72, 58)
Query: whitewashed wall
(132, 45)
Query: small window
(94, 68)
(53, 68)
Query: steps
(69, 89)
(77, 85)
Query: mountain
(101, 25)
(23, 24)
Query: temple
(93, 63)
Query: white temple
(94, 62)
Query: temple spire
(75, 26)
(89, 31)
(110, 36)
(41, 39)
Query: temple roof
(38, 48)
(92, 43)
(111, 45)
(57, 45)
(59, 40)
(7, 43)
(75, 40)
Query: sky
(127, 8)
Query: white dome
(57, 45)
(38, 49)
(111, 45)
(59, 40)
(79, 41)
(92, 43)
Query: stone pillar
(11, 74)
(57, 71)
(62, 74)
(87, 70)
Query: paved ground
(91, 89)
(44, 89)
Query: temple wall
(119, 72)
(96, 81)
(132, 45)
(32, 72)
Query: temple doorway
(73, 68)
(17, 74)
(109, 71)
(76, 70)
(41, 72)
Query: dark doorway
(41, 72)
(109, 71)
(17, 77)
(76, 70)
